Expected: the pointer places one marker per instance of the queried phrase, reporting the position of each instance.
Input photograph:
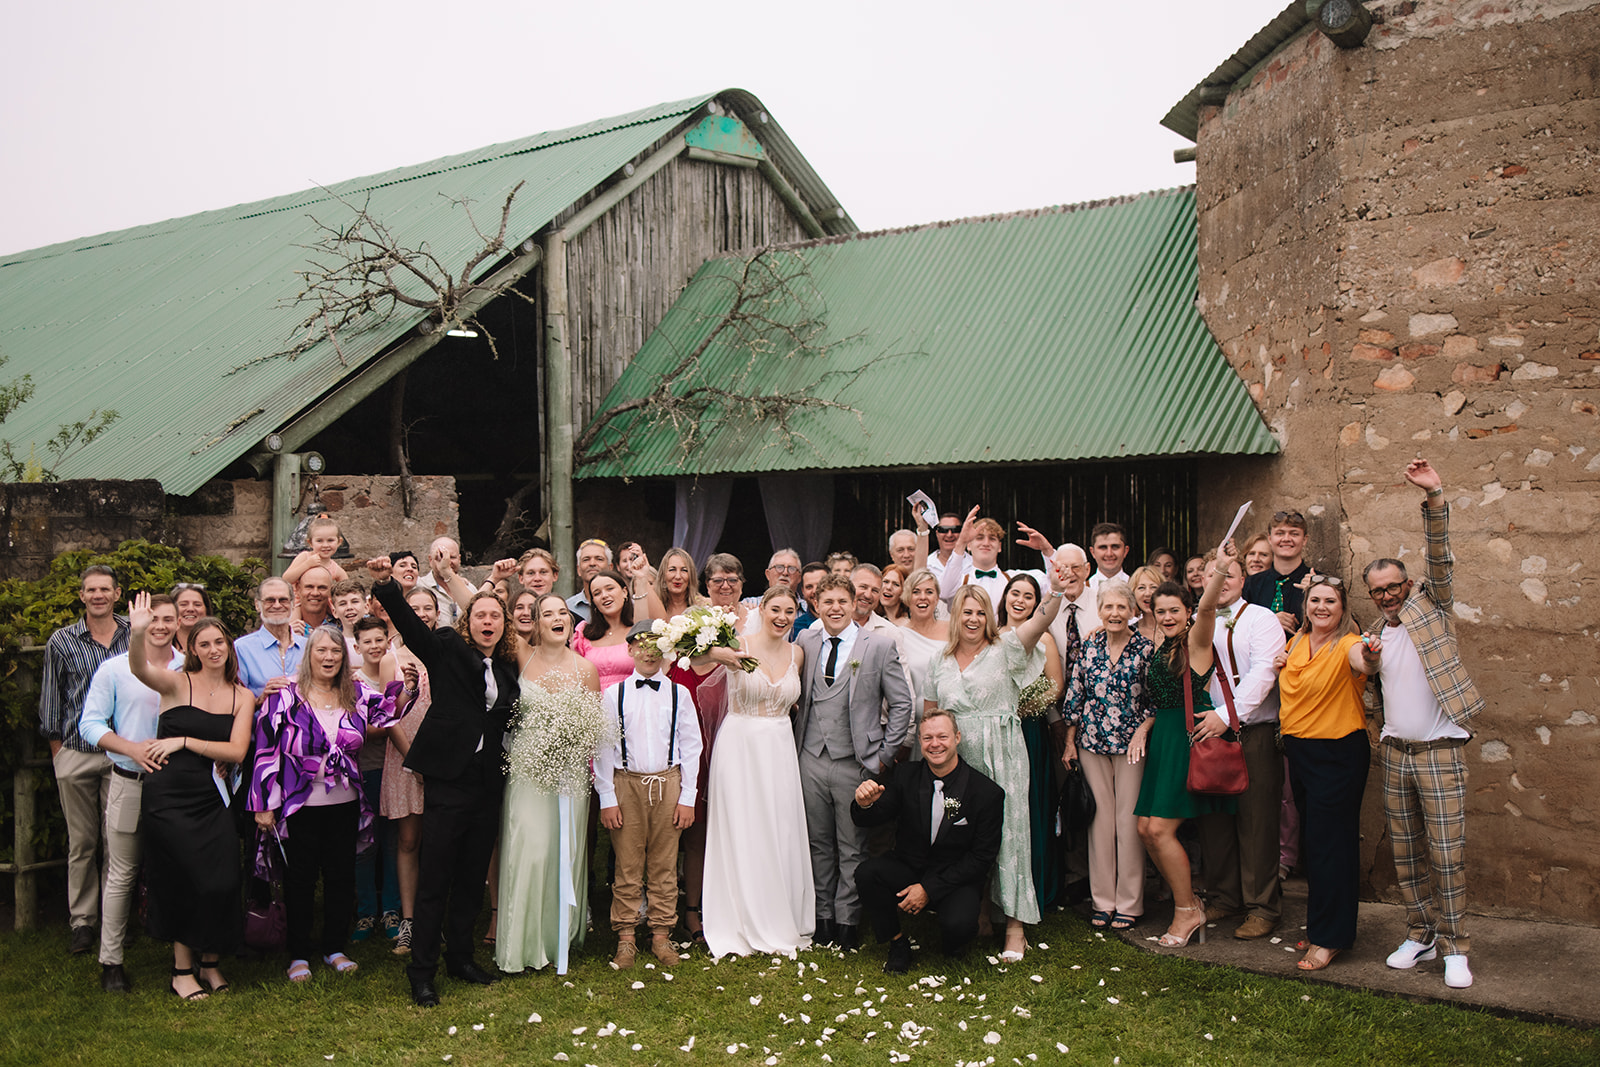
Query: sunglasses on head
(1325, 579)
(1288, 516)
(179, 587)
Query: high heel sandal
(212, 964)
(494, 923)
(198, 994)
(1014, 955)
(696, 936)
(1172, 940)
(1309, 964)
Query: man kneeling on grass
(946, 841)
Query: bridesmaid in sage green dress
(533, 876)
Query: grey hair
(1379, 564)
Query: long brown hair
(597, 626)
(191, 662)
(507, 648)
(344, 684)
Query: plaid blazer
(1427, 617)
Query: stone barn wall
(1400, 255)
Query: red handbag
(1216, 765)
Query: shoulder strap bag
(1216, 765)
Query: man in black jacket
(945, 844)
(473, 675)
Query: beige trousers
(123, 799)
(1116, 855)
(647, 850)
(82, 779)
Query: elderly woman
(1107, 727)
(1322, 677)
(191, 849)
(725, 588)
(307, 792)
(980, 677)
(1183, 660)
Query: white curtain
(799, 510)
(700, 513)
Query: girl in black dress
(191, 849)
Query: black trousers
(879, 881)
(1329, 775)
(321, 841)
(460, 824)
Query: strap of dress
(190, 679)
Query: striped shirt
(71, 657)
(1426, 615)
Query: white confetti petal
(637, 985)
(991, 1038)
(535, 1018)
(579, 1030)
(1209, 1037)
(1035, 977)
(962, 1024)
(1042, 947)
(1061, 1048)
(732, 1049)
(1113, 1000)
(755, 1001)
(770, 1061)
(560, 1057)
(689, 1047)
(451, 1031)
(477, 1026)
(636, 1047)
(665, 976)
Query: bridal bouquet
(557, 735)
(696, 632)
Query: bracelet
(1436, 492)
(1058, 594)
(639, 596)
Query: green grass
(1167, 1011)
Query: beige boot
(626, 952)
(661, 948)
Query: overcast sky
(117, 114)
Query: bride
(536, 871)
(758, 889)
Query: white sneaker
(1410, 953)
(1457, 975)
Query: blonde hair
(991, 631)
(344, 685)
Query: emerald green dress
(1164, 793)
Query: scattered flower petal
(451, 1031)
(535, 1018)
(991, 1038)
(1035, 977)
(1209, 1037)
(755, 1001)
(1113, 1000)
(637, 985)
(477, 1026)
(1061, 1048)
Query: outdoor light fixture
(1344, 22)
(461, 333)
(274, 442)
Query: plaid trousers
(1425, 799)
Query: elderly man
(83, 773)
(594, 556)
(1427, 699)
(903, 549)
(948, 818)
(444, 553)
(274, 650)
(783, 568)
(1241, 851)
(120, 715)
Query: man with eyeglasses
(782, 569)
(274, 650)
(1278, 588)
(1426, 699)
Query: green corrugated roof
(152, 320)
(1054, 335)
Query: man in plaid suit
(1427, 699)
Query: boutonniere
(855, 665)
(952, 806)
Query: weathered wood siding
(627, 269)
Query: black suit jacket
(969, 838)
(448, 737)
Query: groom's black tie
(833, 661)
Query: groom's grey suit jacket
(875, 681)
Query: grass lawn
(1078, 998)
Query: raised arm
(1205, 616)
(418, 636)
(1438, 559)
(1029, 632)
(154, 675)
(447, 579)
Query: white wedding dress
(758, 893)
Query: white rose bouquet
(696, 632)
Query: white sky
(116, 114)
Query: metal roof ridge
(1001, 216)
(1183, 118)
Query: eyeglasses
(1288, 516)
(277, 600)
(947, 529)
(724, 580)
(1383, 592)
(785, 568)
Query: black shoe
(825, 933)
(423, 995)
(899, 961)
(471, 972)
(847, 935)
(83, 939)
(113, 979)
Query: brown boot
(661, 948)
(1254, 927)
(626, 952)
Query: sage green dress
(984, 698)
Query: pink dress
(612, 661)
(401, 792)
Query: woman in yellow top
(1321, 677)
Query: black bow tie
(653, 683)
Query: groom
(852, 676)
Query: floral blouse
(292, 747)
(1106, 700)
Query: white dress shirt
(1257, 639)
(648, 730)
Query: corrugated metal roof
(1053, 335)
(153, 321)
(1184, 118)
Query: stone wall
(41, 520)
(1400, 255)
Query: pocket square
(959, 822)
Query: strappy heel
(213, 964)
(198, 994)
(1172, 940)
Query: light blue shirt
(119, 703)
(260, 660)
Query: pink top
(612, 661)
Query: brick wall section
(1400, 255)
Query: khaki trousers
(123, 799)
(647, 849)
(1116, 855)
(82, 779)
(1240, 852)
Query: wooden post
(26, 888)
(558, 417)
(285, 496)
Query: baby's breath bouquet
(1036, 697)
(558, 732)
(696, 632)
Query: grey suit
(842, 739)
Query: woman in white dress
(758, 891)
(923, 637)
